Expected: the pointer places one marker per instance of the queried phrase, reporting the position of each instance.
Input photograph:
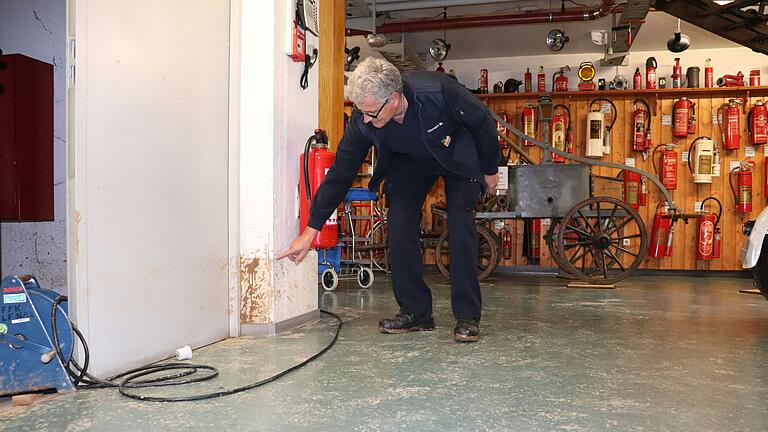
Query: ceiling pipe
(429, 4)
(421, 25)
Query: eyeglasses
(376, 115)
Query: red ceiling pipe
(356, 32)
(492, 20)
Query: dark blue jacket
(445, 108)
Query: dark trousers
(408, 182)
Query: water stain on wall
(255, 281)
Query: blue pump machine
(28, 360)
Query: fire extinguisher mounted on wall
(683, 118)
(729, 120)
(701, 154)
(661, 233)
(742, 188)
(707, 231)
(562, 131)
(314, 164)
(529, 120)
(632, 188)
(757, 120)
(599, 130)
(641, 126)
(666, 171)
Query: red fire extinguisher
(707, 241)
(641, 125)
(650, 73)
(531, 244)
(502, 130)
(677, 74)
(530, 123)
(765, 175)
(314, 164)
(684, 120)
(642, 198)
(729, 120)
(637, 80)
(661, 234)
(528, 80)
(559, 80)
(541, 80)
(758, 124)
(742, 189)
(709, 75)
(631, 182)
(506, 243)
(667, 172)
(562, 133)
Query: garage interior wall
(727, 58)
(276, 118)
(725, 61)
(37, 28)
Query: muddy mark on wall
(255, 289)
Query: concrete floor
(659, 353)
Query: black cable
(308, 63)
(130, 379)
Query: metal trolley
(353, 258)
(597, 239)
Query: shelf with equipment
(651, 95)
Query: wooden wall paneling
(758, 174)
(618, 154)
(691, 193)
(655, 196)
(724, 189)
(627, 107)
(331, 71)
(695, 193)
(646, 212)
(665, 134)
(704, 128)
(681, 198)
(686, 194)
(716, 188)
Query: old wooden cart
(597, 239)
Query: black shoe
(467, 330)
(407, 322)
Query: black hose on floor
(183, 373)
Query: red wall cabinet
(26, 139)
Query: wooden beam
(331, 72)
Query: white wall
(276, 118)
(724, 61)
(37, 28)
(149, 154)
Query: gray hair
(373, 77)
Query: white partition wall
(148, 176)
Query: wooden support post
(331, 72)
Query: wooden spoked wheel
(601, 240)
